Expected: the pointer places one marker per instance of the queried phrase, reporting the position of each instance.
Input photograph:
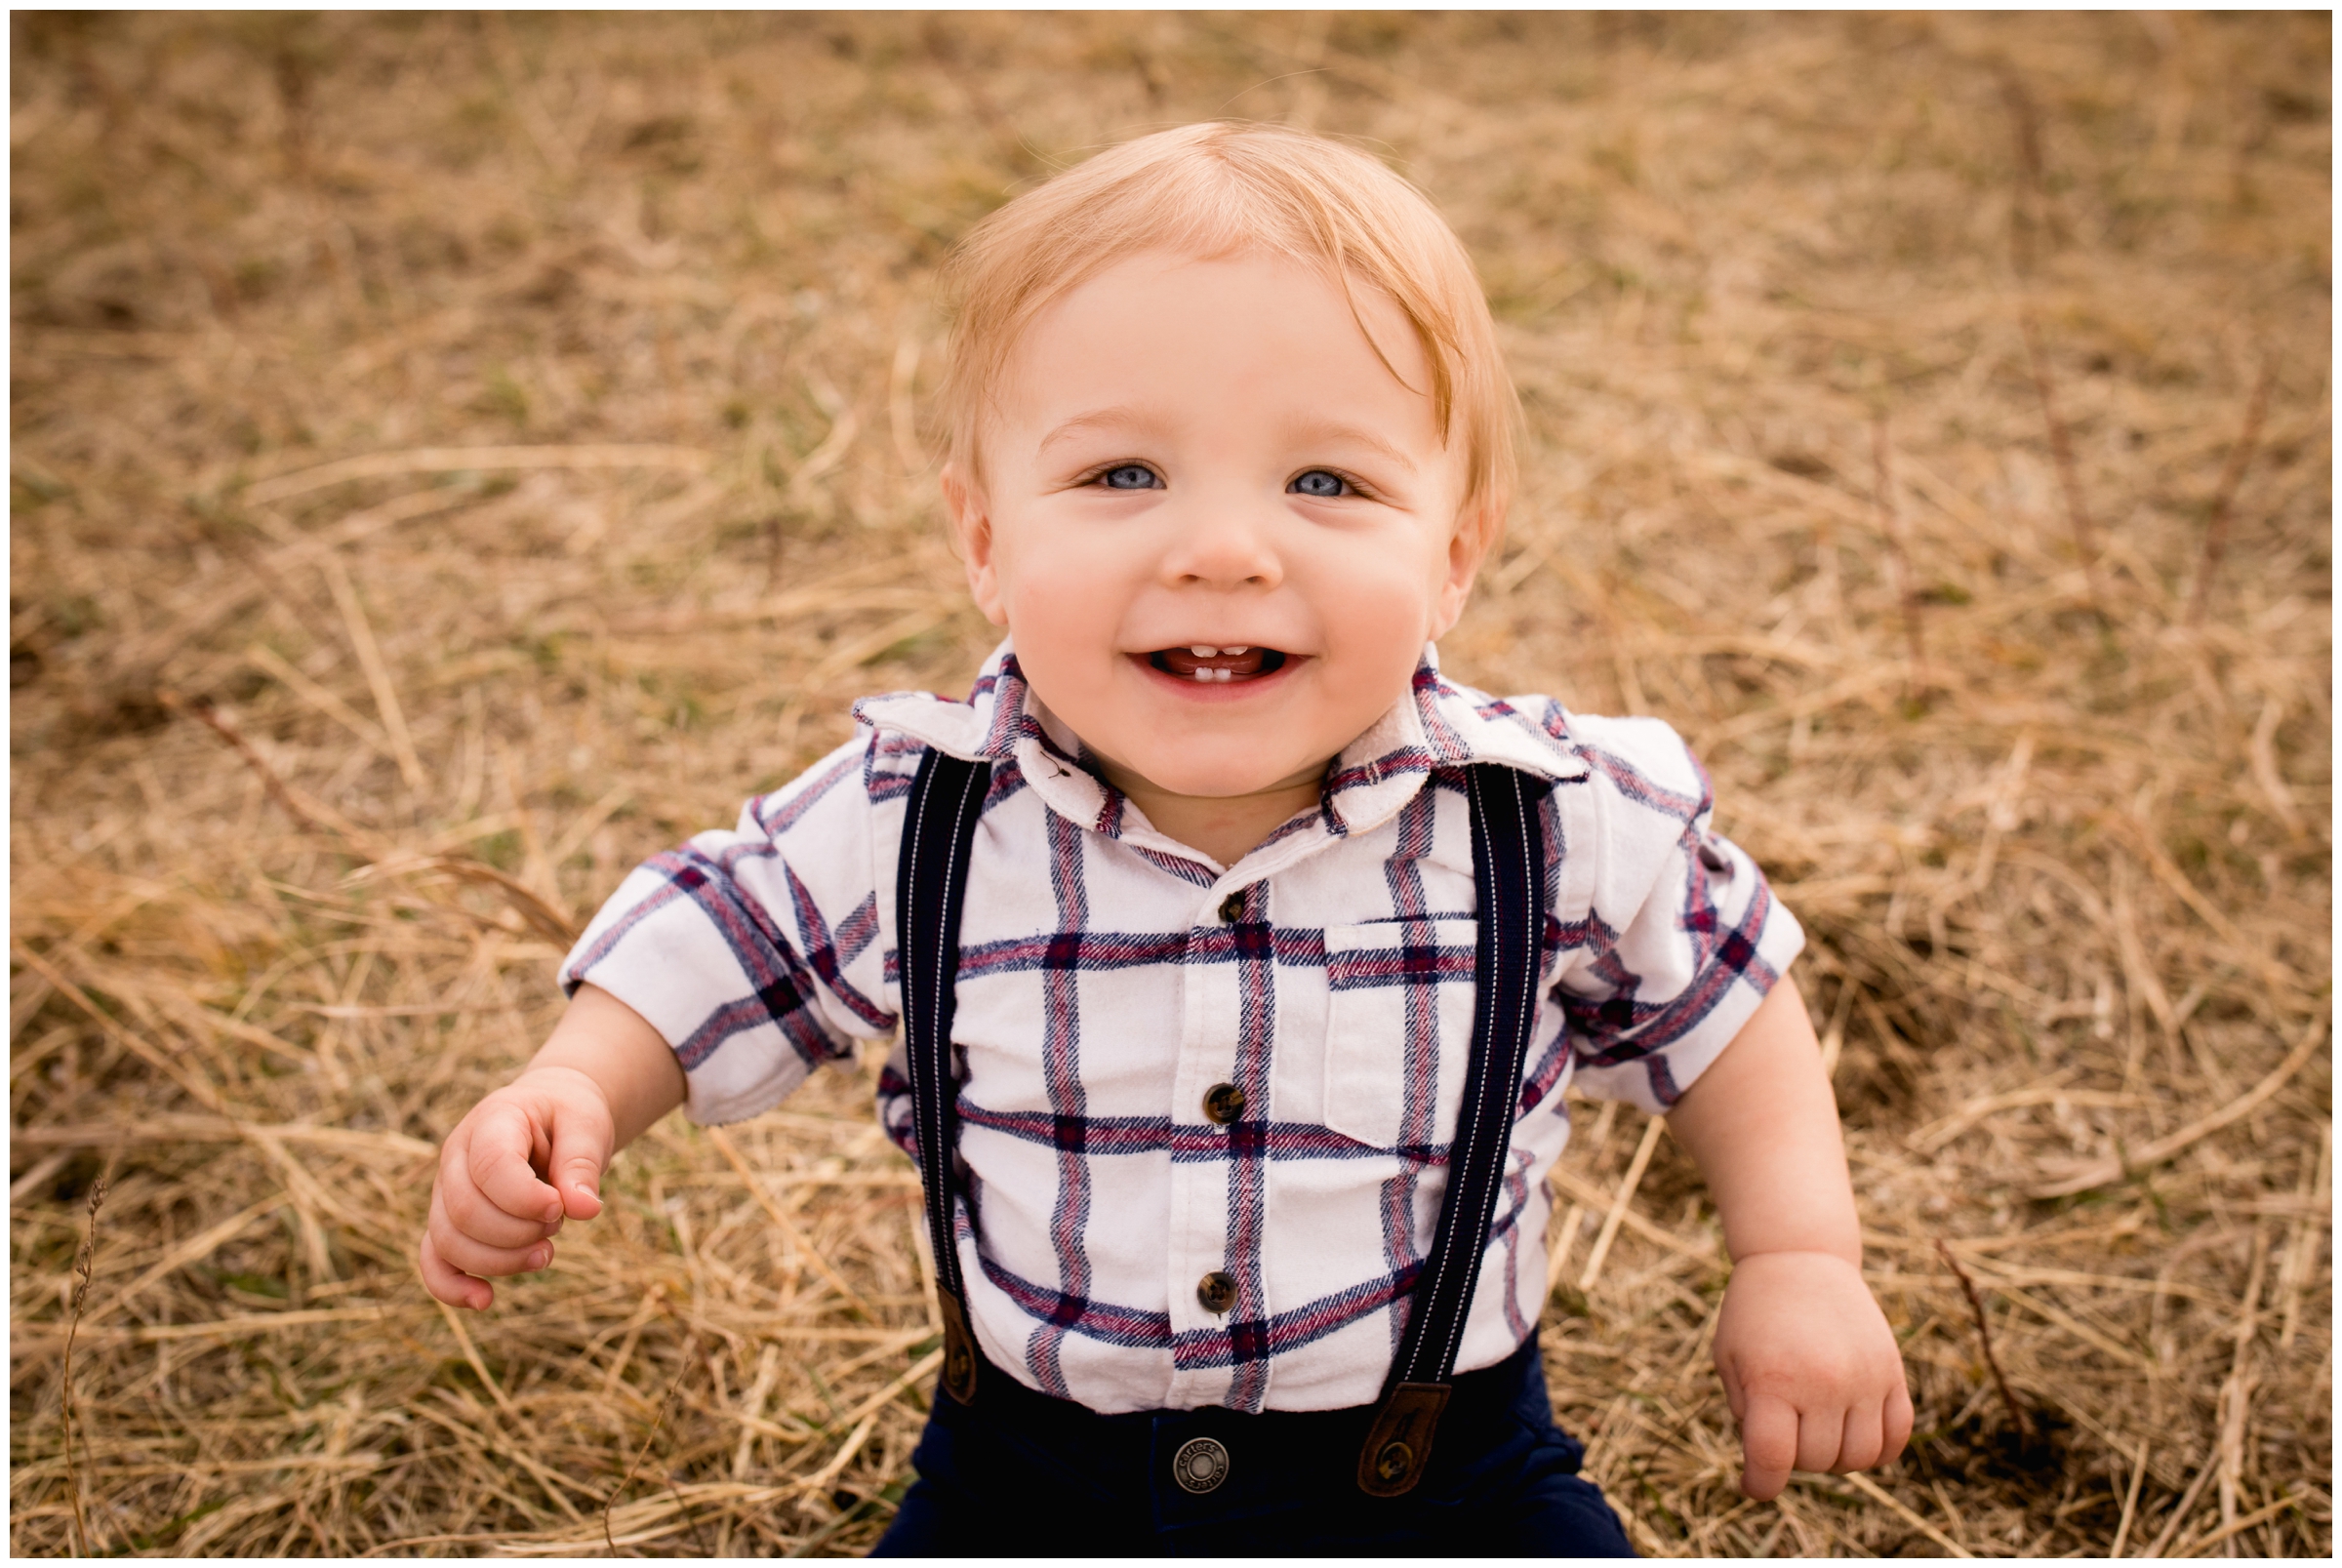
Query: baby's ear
(972, 533)
(1476, 530)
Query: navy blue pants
(1018, 1473)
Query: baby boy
(1234, 1146)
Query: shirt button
(1217, 1291)
(1231, 907)
(1223, 1103)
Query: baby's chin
(1218, 772)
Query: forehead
(1236, 332)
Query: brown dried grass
(2064, 854)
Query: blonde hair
(1219, 189)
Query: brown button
(1217, 1291)
(1395, 1462)
(1231, 907)
(1223, 1103)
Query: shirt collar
(1436, 724)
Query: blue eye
(1131, 476)
(1317, 482)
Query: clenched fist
(1811, 1369)
(526, 1158)
(532, 1155)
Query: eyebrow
(1120, 415)
(1308, 431)
(1316, 431)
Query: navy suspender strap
(1507, 843)
(931, 882)
(1508, 859)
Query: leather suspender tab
(1400, 1443)
(959, 1350)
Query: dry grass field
(454, 458)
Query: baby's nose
(1224, 550)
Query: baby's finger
(580, 1143)
(1769, 1442)
(502, 1140)
(484, 1261)
(469, 1211)
(1861, 1438)
(447, 1284)
(1728, 1371)
(1898, 1420)
(1819, 1433)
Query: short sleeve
(1671, 935)
(757, 954)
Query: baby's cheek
(1064, 604)
(1065, 642)
(1045, 619)
(1374, 643)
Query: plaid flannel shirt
(1102, 993)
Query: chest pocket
(1397, 1029)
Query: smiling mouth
(1207, 665)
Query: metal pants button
(1200, 1464)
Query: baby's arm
(532, 1153)
(1811, 1367)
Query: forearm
(1761, 1123)
(610, 1043)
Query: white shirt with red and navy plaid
(1102, 995)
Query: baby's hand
(1810, 1368)
(527, 1157)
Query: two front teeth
(1205, 664)
(1207, 674)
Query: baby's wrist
(1837, 1253)
(559, 1077)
